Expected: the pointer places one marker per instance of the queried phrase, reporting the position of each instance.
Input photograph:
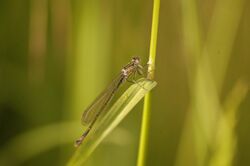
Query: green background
(57, 55)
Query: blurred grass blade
(210, 60)
(221, 37)
(30, 144)
(225, 138)
(113, 117)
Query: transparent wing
(100, 102)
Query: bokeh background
(57, 55)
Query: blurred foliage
(56, 56)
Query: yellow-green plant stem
(146, 110)
(144, 131)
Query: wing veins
(92, 110)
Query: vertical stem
(37, 41)
(153, 41)
(146, 110)
(144, 131)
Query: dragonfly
(93, 111)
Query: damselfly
(91, 114)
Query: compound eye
(136, 59)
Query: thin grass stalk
(147, 100)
